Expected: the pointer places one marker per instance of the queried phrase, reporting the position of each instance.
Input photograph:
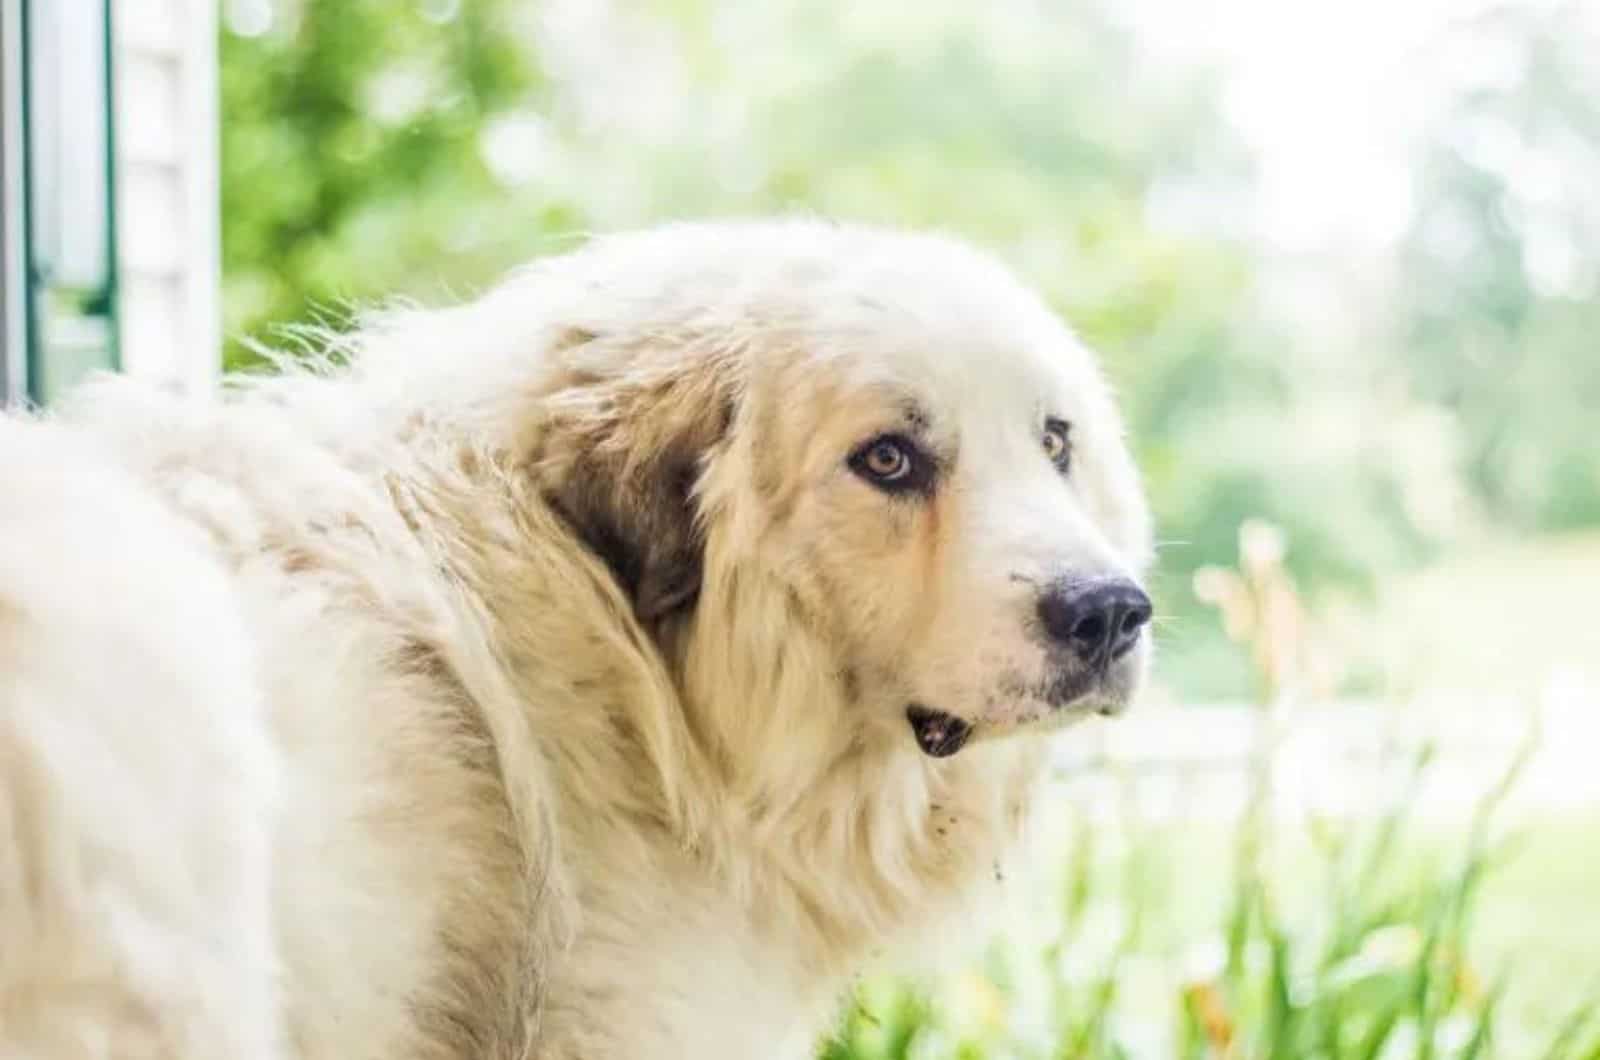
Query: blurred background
(1343, 265)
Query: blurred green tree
(1499, 296)
(420, 147)
(350, 160)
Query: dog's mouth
(940, 735)
(1058, 700)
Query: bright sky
(1328, 92)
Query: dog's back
(135, 777)
(246, 810)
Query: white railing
(1340, 759)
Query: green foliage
(1368, 957)
(1501, 296)
(359, 136)
(420, 147)
(350, 161)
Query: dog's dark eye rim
(892, 463)
(1057, 442)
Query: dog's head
(855, 475)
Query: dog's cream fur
(529, 679)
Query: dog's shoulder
(349, 544)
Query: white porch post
(168, 190)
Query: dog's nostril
(1098, 620)
(1135, 617)
(1091, 629)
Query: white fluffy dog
(608, 668)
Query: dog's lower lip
(938, 734)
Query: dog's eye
(887, 460)
(1055, 442)
(892, 463)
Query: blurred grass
(1538, 914)
(1363, 939)
(1497, 618)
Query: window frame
(29, 321)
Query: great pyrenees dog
(609, 668)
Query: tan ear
(619, 458)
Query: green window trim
(57, 157)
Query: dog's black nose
(1099, 620)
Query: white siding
(167, 192)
